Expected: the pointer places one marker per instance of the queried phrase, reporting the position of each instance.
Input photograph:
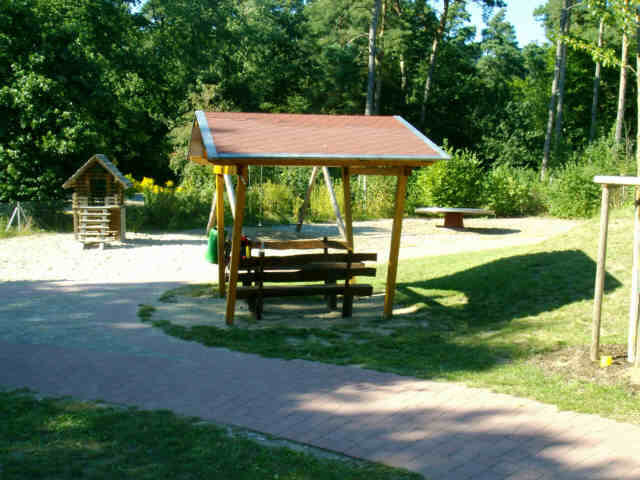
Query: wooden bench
(453, 216)
(336, 270)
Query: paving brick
(438, 428)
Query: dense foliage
(122, 77)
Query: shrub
(320, 208)
(572, 192)
(377, 200)
(452, 183)
(513, 191)
(271, 203)
(168, 208)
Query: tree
(596, 84)
(75, 80)
(442, 24)
(373, 33)
(554, 88)
(623, 81)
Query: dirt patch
(575, 363)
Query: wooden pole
(600, 273)
(307, 198)
(235, 244)
(334, 201)
(392, 270)
(346, 187)
(634, 309)
(230, 193)
(220, 226)
(212, 212)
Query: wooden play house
(98, 201)
(358, 145)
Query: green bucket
(211, 254)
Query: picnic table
(453, 217)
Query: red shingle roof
(225, 135)
(263, 133)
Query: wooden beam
(304, 259)
(392, 270)
(334, 202)
(307, 198)
(600, 274)
(299, 244)
(395, 171)
(220, 227)
(235, 245)
(348, 221)
(225, 169)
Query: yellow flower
(147, 182)
(169, 183)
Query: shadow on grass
(510, 288)
(454, 325)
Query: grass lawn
(63, 439)
(517, 320)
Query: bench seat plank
(308, 275)
(299, 261)
(360, 290)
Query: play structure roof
(106, 164)
(223, 138)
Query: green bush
(513, 191)
(377, 200)
(452, 183)
(171, 209)
(572, 191)
(271, 203)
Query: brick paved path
(85, 341)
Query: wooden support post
(123, 223)
(220, 227)
(348, 224)
(307, 198)
(635, 284)
(235, 244)
(392, 270)
(230, 193)
(212, 212)
(334, 201)
(600, 273)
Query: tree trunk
(563, 71)
(623, 87)
(379, 58)
(638, 97)
(403, 78)
(432, 61)
(596, 86)
(554, 93)
(373, 28)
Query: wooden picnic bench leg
(235, 244)
(348, 221)
(332, 300)
(453, 220)
(347, 300)
(392, 270)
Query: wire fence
(54, 215)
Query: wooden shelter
(362, 145)
(98, 201)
